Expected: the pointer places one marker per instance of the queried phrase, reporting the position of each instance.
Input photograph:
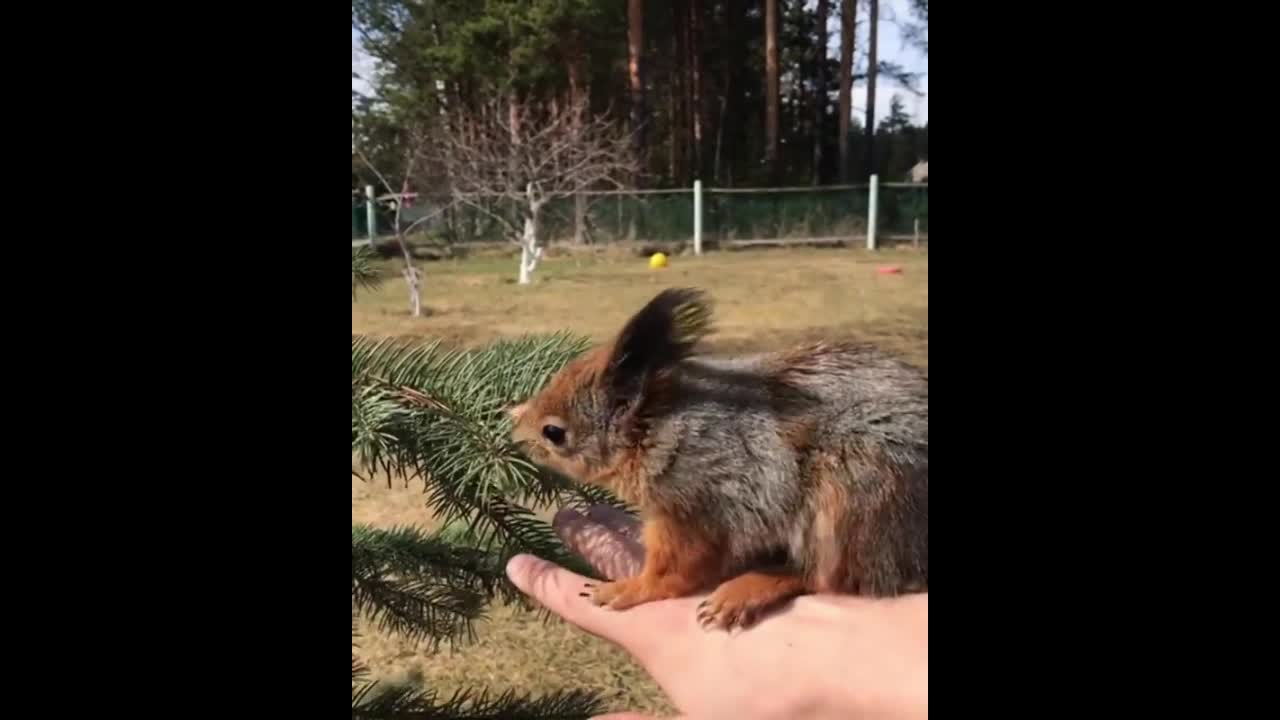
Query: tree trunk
(635, 81)
(673, 132)
(724, 104)
(848, 12)
(525, 256)
(579, 219)
(820, 91)
(513, 116)
(697, 111)
(731, 103)
(873, 19)
(412, 276)
(413, 279)
(530, 252)
(513, 122)
(635, 76)
(578, 99)
(771, 87)
(679, 92)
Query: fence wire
(731, 216)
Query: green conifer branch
(364, 274)
(370, 702)
(419, 585)
(440, 416)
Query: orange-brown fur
(678, 561)
(741, 601)
(831, 500)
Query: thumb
(561, 592)
(634, 716)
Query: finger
(620, 522)
(611, 553)
(562, 592)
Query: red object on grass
(889, 269)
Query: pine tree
(430, 414)
(898, 119)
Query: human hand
(819, 656)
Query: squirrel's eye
(553, 433)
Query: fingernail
(516, 566)
(521, 568)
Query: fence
(703, 217)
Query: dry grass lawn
(764, 299)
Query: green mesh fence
(654, 216)
(784, 214)
(796, 214)
(384, 218)
(606, 218)
(838, 213)
(899, 207)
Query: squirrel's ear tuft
(662, 334)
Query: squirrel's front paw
(627, 593)
(618, 595)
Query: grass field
(764, 299)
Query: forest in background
(737, 93)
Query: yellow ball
(658, 260)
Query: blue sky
(892, 48)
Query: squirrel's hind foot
(742, 601)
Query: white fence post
(371, 210)
(871, 212)
(697, 217)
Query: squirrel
(767, 477)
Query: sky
(891, 49)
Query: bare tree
(414, 139)
(529, 154)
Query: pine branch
(584, 496)
(364, 275)
(418, 585)
(484, 380)
(367, 703)
(359, 671)
(439, 414)
(381, 429)
(507, 529)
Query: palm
(835, 648)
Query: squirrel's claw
(713, 613)
(611, 595)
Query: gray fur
(722, 453)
